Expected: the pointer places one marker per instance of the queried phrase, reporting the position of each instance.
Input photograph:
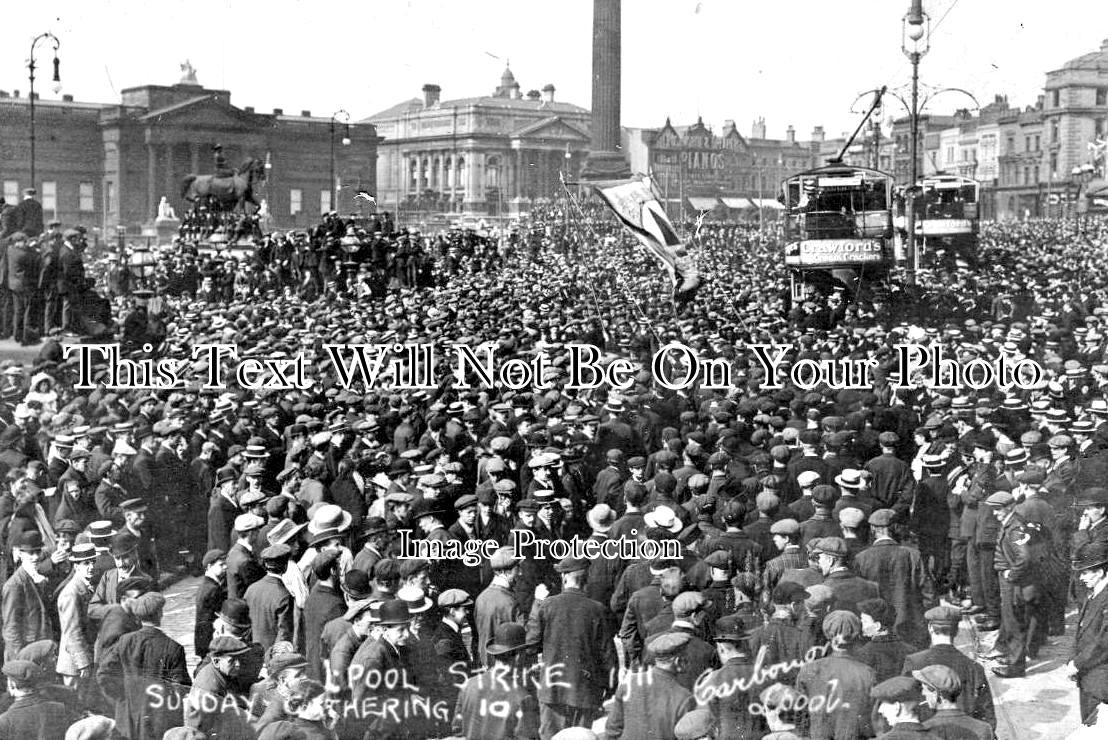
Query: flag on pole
(364, 195)
(638, 209)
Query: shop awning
(703, 204)
(769, 203)
(737, 203)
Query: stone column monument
(606, 159)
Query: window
(1102, 96)
(84, 197)
(1055, 98)
(950, 154)
(324, 201)
(413, 177)
(1037, 147)
(50, 198)
(295, 195)
(11, 192)
(1053, 164)
(1027, 143)
(1036, 173)
(1053, 132)
(1011, 144)
(109, 198)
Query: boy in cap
(452, 637)
(210, 595)
(31, 715)
(853, 681)
(941, 687)
(140, 665)
(649, 703)
(976, 698)
(271, 604)
(897, 701)
(573, 630)
(726, 691)
(507, 651)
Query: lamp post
(339, 115)
(915, 42)
(56, 87)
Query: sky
(803, 62)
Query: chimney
(306, 113)
(278, 111)
(67, 98)
(817, 133)
(790, 134)
(534, 95)
(548, 93)
(249, 109)
(759, 129)
(431, 95)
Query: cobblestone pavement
(1041, 706)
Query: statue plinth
(605, 166)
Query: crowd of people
(821, 553)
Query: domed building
(492, 155)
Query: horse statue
(230, 193)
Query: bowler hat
(236, 613)
(394, 612)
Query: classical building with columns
(109, 165)
(489, 155)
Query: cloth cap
(694, 725)
(943, 615)
(688, 603)
(882, 518)
(832, 546)
(807, 479)
(224, 646)
(784, 527)
(22, 670)
(453, 597)
(1000, 498)
(898, 689)
(842, 624)
(248, 522)
(212, 556)
(669, 644)
(148, 605)
(571, 565)
(941, 678)
(851, 517)
(789, 592)
(825, 495)
(504, 558)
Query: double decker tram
(947, 217)
(838, 229)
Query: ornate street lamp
(56, 87)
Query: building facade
(491, 155)
(109, 165)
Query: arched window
(424, 173)
(492, 172)
(460, 172)
(413, 178)
(435, 164)
(447, 174)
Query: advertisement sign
(821, 252)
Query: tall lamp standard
(915, 42)
(56, 87)
(344, 117)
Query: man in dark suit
(573, 631)
(448, 638)
(324, 603)
(31, 715)
(71, 277)
(30, 213)
(210, 595)
(1090, 660)
(22, 281)
(976, 698)
(847, 587)
(377, 658)
(222, 510)
(899, 574)
(271, 605)
(26, 618)
(243, 568)
(142, 665)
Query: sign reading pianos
(693, 160)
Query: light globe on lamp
(915, 30)
(57, 81)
